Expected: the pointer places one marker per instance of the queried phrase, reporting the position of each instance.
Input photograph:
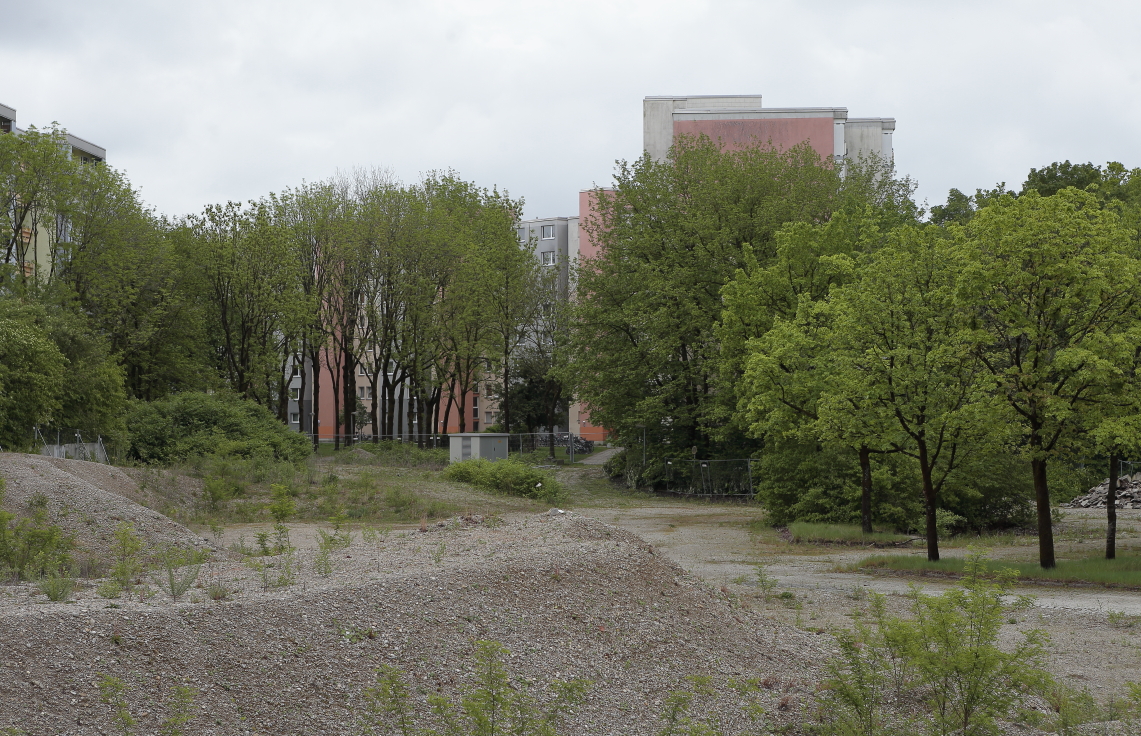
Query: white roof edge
(7, 112)
(696, 97)
(86, 146)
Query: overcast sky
(221, 100)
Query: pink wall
(784, 133)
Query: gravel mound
(88, 500)
(570, 597)
(1128, 495)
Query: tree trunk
(348, 371)
(398, 410)
(463, 410)
(374, 416)
(506, 391)
(866, 490)
(315, 413)
(301, 393)
(448, 412)
(929, 501)
(1111, 508)
(1045, 524)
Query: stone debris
(569, 596)
(1128, 494)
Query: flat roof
(87, 146)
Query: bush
(947, 654)
(509, 477)
(189, 425)
(30, 547)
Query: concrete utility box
(488, 445)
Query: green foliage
(113, 692)
(1123, 571)
(31, 381)
(495, 705)
(283, 506)
(181, 568)
(677, 714)
(509, 477)
(947, 654)
(180, 705)
(31, 547)
(126, 553)
(56, 586)
(399, 455)
(802, 531)
(187, 425)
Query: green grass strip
(807, 532)
(1122, 572)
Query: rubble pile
(1128, 494)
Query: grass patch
(394, 455)
(804, 532)
(1124, 572)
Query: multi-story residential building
(37, 249)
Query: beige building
(37, 245)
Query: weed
(767, 583)
(113, 691)
(494, 706)
(280, 538)
(509, 477)
(322, 563)
(679, 704)
(181, 571)
(126, 550)
(57, 587)
(354, 634)
(1122, 620)
(180, 707)
(438, 553)
(217, 592)
(263, 544)
(282, 507)
(109, 589)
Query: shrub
(509, 477)
(181, 569)
(947, 654)
(190, 425)
(57, 587)
(30, 547)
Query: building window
(548, 232)
(294, 418)
(296, 369)
(295, 394)
(364, 392)
(475, 426)
(522, 235)
(488, 418)
(548, 257)
(475, 401)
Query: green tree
(899, 348)
(1051, 285)
(671, 235)
(31, 380)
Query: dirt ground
(1095, 632)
